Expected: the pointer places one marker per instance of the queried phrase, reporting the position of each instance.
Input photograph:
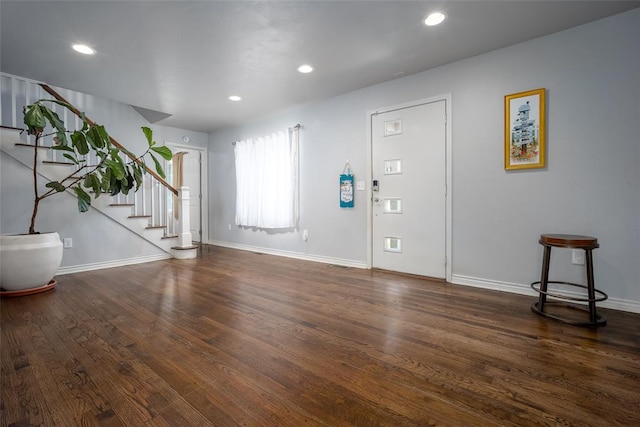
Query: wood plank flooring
(237, 338)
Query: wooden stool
(574, 242)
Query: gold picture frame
(525, 130)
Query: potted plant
(29, 261)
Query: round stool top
(569, 241)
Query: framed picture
(524, 130)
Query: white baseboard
(289, 254)
(517, 288)
(110, 264)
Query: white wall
(97, 240)
(591, 184)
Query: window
(267, 180)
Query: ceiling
(185, 58)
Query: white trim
(315, 258)
(514, 288)
(204, 179)
(518, 288)
(448, 177)
(110, 264)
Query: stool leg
(544, 278)
(591, 287)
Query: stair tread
(51, 162)
(139, 216)
(121, 204)
(185, 248)
(21, 144)
(156, 226)
(12, 128)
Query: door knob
(375, 199)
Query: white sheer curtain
(267, 180)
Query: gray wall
(96, 238)
(591, 184)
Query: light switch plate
(360, 185)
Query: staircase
(148, 213)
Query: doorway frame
(448, 193)
(204, 189)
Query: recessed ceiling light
(434, 19)
(235, 98)
(84, 49)
(305, 69)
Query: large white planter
(29, 260)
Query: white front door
(191, 177)
(408, 147)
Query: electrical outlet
(305, 235)
(577, 256)
(67, 242)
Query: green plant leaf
(90, 137)
(84, 200)
(158, 166)
(53, 118)
(62, 103)
(103, 135)
(70, 157)
(148, 133)
(94, 137)
(85, 124)
(164, 151)
(117, 171)
(126, 184)
(137, 175)
(106, 181)
(79, 142)
(34, 118)
(95, 185)
(114, 186)
(62, 139)
(56, 185)
(115, 155)
(92, 181)
(101, 155)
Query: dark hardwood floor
(237, 338)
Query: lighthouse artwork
(523, 134)
(524, 130)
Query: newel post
(185, 248)
(184, 227)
